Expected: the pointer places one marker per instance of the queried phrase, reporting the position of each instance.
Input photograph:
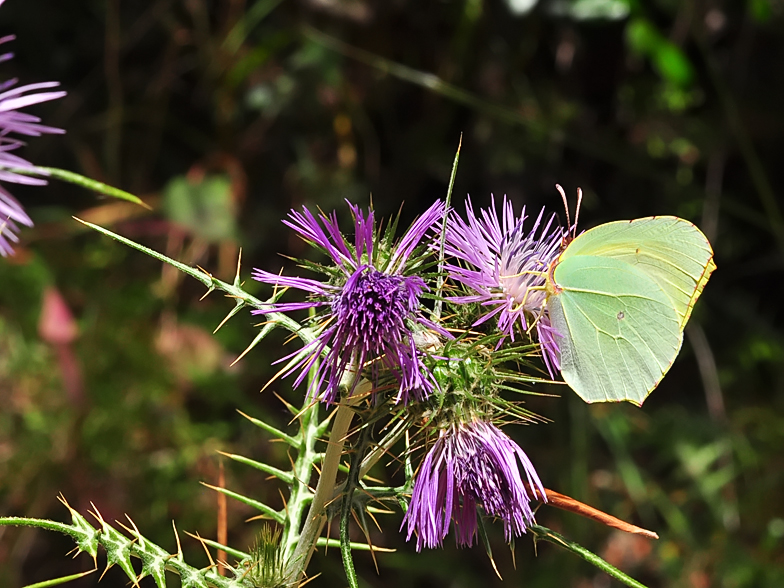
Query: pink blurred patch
(57, 327)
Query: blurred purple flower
(12, 99)
(371, 309)
(470, 464)
(505, 267)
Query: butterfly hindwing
(620, 330)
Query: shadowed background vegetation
(224, 114)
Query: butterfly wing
(619, 331)
(669, 250)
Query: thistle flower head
(370, 305)
(471, 464)
(12, 121)
(504, 265)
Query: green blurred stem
(440, 282)
(252, 17)
(754, 165)
(615, 154)
(79, 180)
(545, 534)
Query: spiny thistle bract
(266, 567)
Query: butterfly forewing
(669, 250)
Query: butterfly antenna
(565, 238)
(577, 212)
(565, 203)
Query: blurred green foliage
(224, 114)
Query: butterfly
(619, 296)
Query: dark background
(224, 114)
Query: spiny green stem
(545, 534)
(212, 283)
(301, 495)
(138, 547)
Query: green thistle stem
(546, 534)
(352, 482)
(300, 492)
(345, 539)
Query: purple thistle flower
(505, 267)
(472, 463)
(12, 99)
(371, 309)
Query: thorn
(565, 203)
(232, 312)
(204, 545)
(62, 499)
(309, 580)
(285, 504)
(272, 379)
(237, 282)
(208, 292)
(248, 348)
(367, 538)
(135, 528)
(286, 403)
(96, 514)
(260, 517)
(298, 416)
(122, 525)
(495, 569)
(241, 355)
(177, 536)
